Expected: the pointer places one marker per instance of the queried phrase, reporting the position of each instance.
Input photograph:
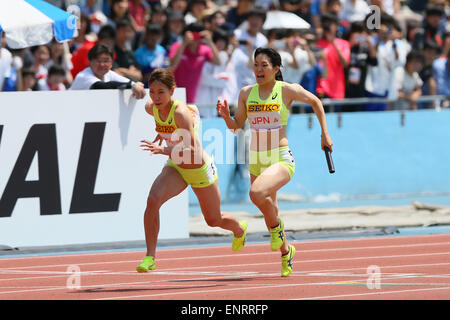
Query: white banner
(72, 171)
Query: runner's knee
(258, 196)
(215, 221)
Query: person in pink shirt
(337, 52)
(138, 10)
(187, 58)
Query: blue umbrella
(33, 22)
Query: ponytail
(279, 76)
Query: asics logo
(275, 96)
(280, 235)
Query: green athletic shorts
(201, 177)
(261, 160)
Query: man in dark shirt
(125, 61)
(239, 14)
(430, 30)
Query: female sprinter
(266, 105)
(188, 164)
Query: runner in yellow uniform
(188, 164)
(266, 105)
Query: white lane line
(351, 240)
(237, 257)
(373, 293)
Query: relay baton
(329, 160)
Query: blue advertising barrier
(375, 154)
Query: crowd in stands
(395, 49)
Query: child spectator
(29, 81)
(409, 82)
(55, 79)
(41, 55)
(61, 56)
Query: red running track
(401, 267)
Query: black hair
(122, 23)
(257, 11)
(107, 32)
(274, 57)
(415, 55)
(99, 49)
(328, 17)
(386, 19)
(434, 10)
(56, 69)
(357, 26)
(153, 28)
(220, 34)
(194, 27)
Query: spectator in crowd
(337, 53)
(446, 45)
(83, 33)
(237, 15)
(158, 15)
(138, 11)
(5, 61)
(55, 79)
(390, 7)
(217, 19)
(299, 7)
(430, 30)
(151, 55)
(29, 81)
(119, 11)
(174, 30)
(126, 64)
(188, 57)
(431, 52)
(354, 10)
(334, 7)
(441, 73)
(179, 5)
(90, 7)
(319, 69)
(41, 55)
(363, 53)
(100, 76)
(59, 54)
(195, 11)
(80, 60)
(409, 82)
(241, 61)
(296, 56)
(214, 77)
(380, 80)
